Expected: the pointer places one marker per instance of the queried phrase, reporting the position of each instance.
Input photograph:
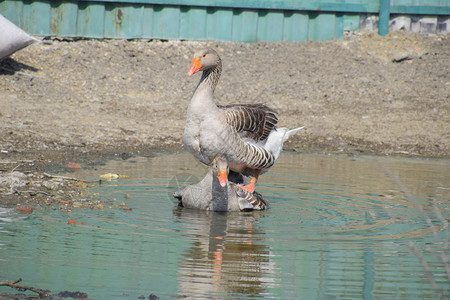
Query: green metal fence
(225, 20)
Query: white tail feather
(291, 132)
(276, 139)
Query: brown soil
(79, 100)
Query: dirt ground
(81, 100)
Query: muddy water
(339, 227)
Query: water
(339, 227)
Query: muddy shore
(66, 100)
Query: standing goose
(215, 192)
(244, 133)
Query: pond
(339, 227)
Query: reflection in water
(228, 255)
(339, 227)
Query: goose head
(203, 60)
(220, 169)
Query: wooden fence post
(383, 22)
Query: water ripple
(338, 227)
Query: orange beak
(195, 67)
(222, 177)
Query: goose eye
(204, 55)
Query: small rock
(51, 185)
(24, 209)
(76, 295)
(72, 165)
(14, 179)
(400, 23)
(400, 56)
(428, 25)
(109, 176)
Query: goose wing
(254, 121)
(250, 201)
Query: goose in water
(245, 133)
(215, 192)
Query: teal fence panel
(126, 20)
(166, 22)
(12, 10)
(322, 26)
(193, 23)
(224, 20)
(63, 19)
(216, 19)
(421, 7)
(270, 26)
(36, 17)
(91, 20)
(147, 21)
(351, 22)
(245, 25)
(296, 26)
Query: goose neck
(210, 77)
(204, 92)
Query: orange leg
(251, 186)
